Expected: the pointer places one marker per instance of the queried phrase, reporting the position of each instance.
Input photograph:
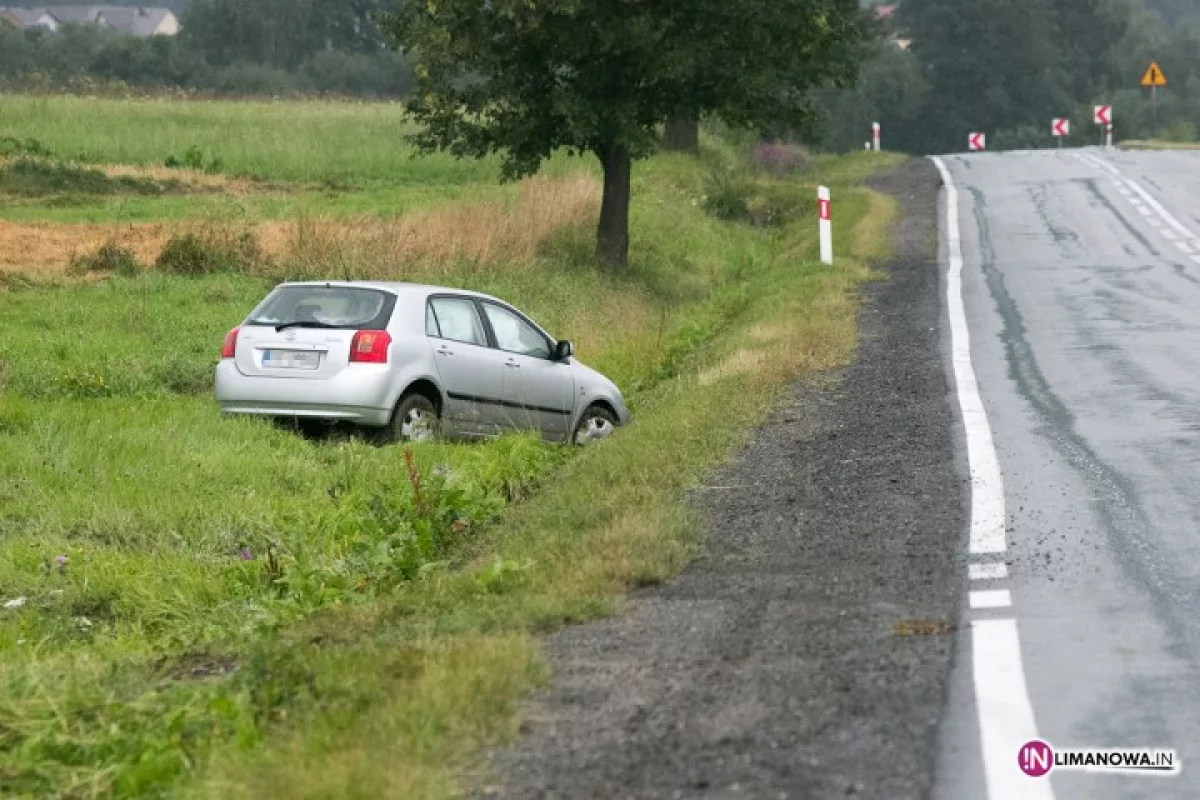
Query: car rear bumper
(359, 396)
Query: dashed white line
(1184, 246)
(987, 572)
(1162, 212)
(1001, 698)
(1005, 715)
(990, 598)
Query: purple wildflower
(61, 562)
(246, 554)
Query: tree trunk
(683, 133)
(612, 237)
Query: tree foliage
(1006, 67)
(524, 78)
(227, 46)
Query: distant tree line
(1007, 67)
(273, 47)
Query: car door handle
(444, 351)
(512, 365)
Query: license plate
(291, 359)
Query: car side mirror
(563, 350)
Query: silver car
(412, 361)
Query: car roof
(412, 291)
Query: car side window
(431, 323)
(457, 319)
(515, 334)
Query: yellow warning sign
(1154, 76)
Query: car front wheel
(596, 423)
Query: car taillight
(230, 346)
(370, 347)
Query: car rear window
(335, 306)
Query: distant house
(132, 20)
(886, 12)
(29, 18)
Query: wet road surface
(1081, 289)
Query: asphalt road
(807, 654)
(1081, 288)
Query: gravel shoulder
(807, 654)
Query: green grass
(310, 158)
(323, 142)
(378, 200)
(222, 608)
(1154, 144)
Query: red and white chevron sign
(1104, 115)
(976, 141)
(1061, 127)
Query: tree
(524, 78)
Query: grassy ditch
(203, 607)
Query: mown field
(203, 607)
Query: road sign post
(1060, 128)
(976, 141)
(825, 224)
(1103, 117)
(875, 135)
(1154, 78)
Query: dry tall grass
(505, 234)
(483, 234)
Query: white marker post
(875, 135)
(825, 225)
(1108, 136)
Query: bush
(31, 176)
(727, 196)
(111, 258)
(211, 252)
(1182, 132)
(779, 159)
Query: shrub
(211, 252)
(728, 196)
(778, 159)
(193, 158)
(12, 146)
(109, 259)
(37, 176)
(1181, 132)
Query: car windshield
(325, 306)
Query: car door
(538, 391)
(472, 373)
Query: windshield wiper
(306, 324)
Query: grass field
(202, 607)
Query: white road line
(1145, 212)
(1162, 212)
(1170, 234)
(1005, 716)
(987, 489)
(1184, 246)
(987, 572)
(1001, 698)
(1102, 164)
(990, 598)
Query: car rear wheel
(415, 420)
(597, 423)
